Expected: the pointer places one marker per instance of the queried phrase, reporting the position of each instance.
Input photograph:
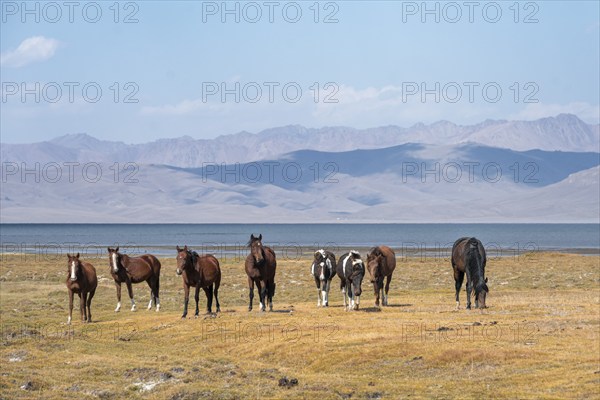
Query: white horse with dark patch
(351, 270)
(323, 270)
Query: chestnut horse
(351, 270)
(260, 268)
(468, 256)
(381, 262)
(81, 280)
(200, 272)
(135, 270)
(323, 270)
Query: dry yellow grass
(540, 338)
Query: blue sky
(180, 70)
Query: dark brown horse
(468, 256)
(135, 270)
(381, 263)
(81, 280)
(200, 272)
(260, 268)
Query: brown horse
(81, 280)
(381, 262)
(200, 272)
(260, 268)
(135, 270)
(468, 256)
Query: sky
(140, 71)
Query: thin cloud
(31, 50)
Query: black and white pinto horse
(323, 270)
(351, 270)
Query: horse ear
(117, 249)
(260, 237)
(109, 249)
(485, 280)
(178, 249)
(252, 236)
(68, 255)
(185, 247)
(77, 256)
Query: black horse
(323, 270)
(351, 270)
(468, 256)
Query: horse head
(114, 259)
(481, 291)
(184, 257)
(319, 263)
(357, 274)
(74, 266)
(256, 248)
(375, 261)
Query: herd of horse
(203, 272)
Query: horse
(381, 262)
(468, 256)
(323, 271)
(260, 267)
(351, 270)
(200, 272)
(135, 270)
(83, 281)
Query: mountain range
(496, 171)
(564, 132)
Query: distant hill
(564, 133)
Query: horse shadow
(282, 311)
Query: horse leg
(70, 307)
(216, 293)
(156, 289)
(84, 299)
(271, 292)
(130, 291)
(388, 279)
(262, 294)
(81, 305)
(118, 285)
(378, 289)
(270, 287)
(89, 304)
(325, 292)
(209, 294)
(186, 299)
(318, 283)
(150, 285)
(469, 288)
(343, 289)
(250, 292)
(197, 298)
(458, 281)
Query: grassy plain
(539, 339)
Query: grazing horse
(200, 272)
(468, 256)
(351, 270)
(260, 268)
(323, 270)
(381, 262)
(81, 280)
(135, 270)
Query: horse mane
(475, 263)
(375, 252)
